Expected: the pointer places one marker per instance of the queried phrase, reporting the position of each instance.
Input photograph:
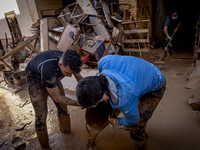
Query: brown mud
(173, 126)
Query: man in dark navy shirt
(44, 73)
(171, 25)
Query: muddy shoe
(93, 148)
(140, 145)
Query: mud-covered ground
(173, 126)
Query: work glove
(170, 38)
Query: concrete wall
(24, 20)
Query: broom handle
(166, 47)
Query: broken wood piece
(107, 48)
(65, 40)
(92, 63)
(113, 17)
(76, 16)
(52, 12)
(44, 40)
(115, 34)
(107, 14)
(54, 36)
(64, 15)
(19, 47)
(194, 103)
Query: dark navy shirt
(170, 23)
(44, 67)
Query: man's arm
(175, 30)
(57, 97)
(166, 32)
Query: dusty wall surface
(24, 20)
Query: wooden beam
(135, 50)
(135, 41)
(135, 22)
(136, 31)
(44, 37)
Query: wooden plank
(107, 14)
(135, 50)
(44, 38)
(33, 48)
(6, 65)
(88, 24)
(52, 12)
(107, 48)
(69, 13)
(135, 22)
(136, 31)
(76, 16)
(135, 41)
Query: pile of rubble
(93, 29)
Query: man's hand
(170, 38)
(113, 121)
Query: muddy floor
(174, 125)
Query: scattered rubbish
(18, 143)
(22, 105)
(22, 127)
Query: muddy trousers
(38, 95)
(147, 104)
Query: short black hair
(90, 90)
(73, 59)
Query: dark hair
(73, 59)
(90, 90)
(174, 11)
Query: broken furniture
(68, 36)
(19, 47)
(71, 14)
(94, 45)
(8, 83)
(14, 28)
(48, 24)
(132, 39)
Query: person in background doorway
(44, 73)
(170, 26)
(133, 85)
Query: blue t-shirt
(133, 77)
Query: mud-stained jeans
(147, 104)
(38, 95)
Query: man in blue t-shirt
(44, 73)
(133, 85)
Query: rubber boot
(64, 123)
(43, 139)
(141, 145)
